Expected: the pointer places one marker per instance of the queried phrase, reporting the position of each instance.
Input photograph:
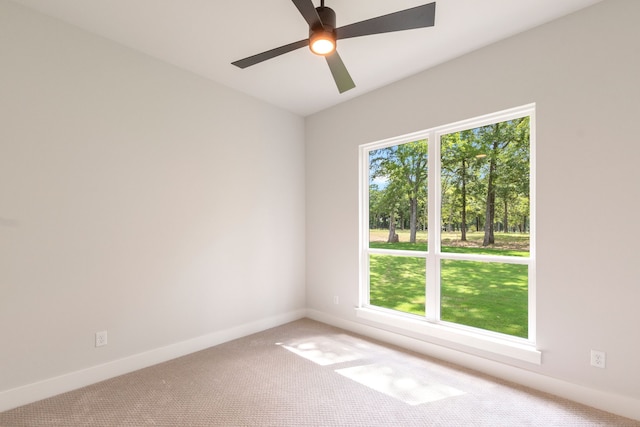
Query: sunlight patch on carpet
(392, 382)
(326, 350)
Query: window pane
(491, 296)
(485, 189)
(398, 197)
(397, 283)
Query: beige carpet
(306, 374)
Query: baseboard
(30, 393)
(620, 405)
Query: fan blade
(255, 59)
(339, 71)
(308, 12)
(416, 17)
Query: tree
(512, 183)
(507, 145)
(405, 169)
(458, 152)
(392, 201)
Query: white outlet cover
(101, 338)
(598, 358)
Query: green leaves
(403, 168)
(485, 175)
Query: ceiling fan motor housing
(327, 17)
(326, 28)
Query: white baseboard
(52, 386)
(621, 405)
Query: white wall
(582, 71)
(135, 198)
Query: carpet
(306, 373)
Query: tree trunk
(413, 220)
(425, 221)
(489, 237)
(450, 226)
(393, 237)
(506, 216)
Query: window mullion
(364, 286)
(433, 236)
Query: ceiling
(205, 36)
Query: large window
(447, 226)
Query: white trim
(73, 380)
(397, 252)
(532, 223)
(514, 348)
(625, 406)
(363, 242)
(507, 259)
(432, 293)
(499, 116)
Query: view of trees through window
(480, 268)
(485, 185)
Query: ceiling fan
(323, 35)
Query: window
(447, 227)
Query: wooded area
(484, 180)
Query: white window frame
(430, 327)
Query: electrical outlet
(101, 338)
(336, 300)
(598, 358)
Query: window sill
(522, 351)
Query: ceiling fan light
(322, 43)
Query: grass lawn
(491, 296)
(518, 242)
